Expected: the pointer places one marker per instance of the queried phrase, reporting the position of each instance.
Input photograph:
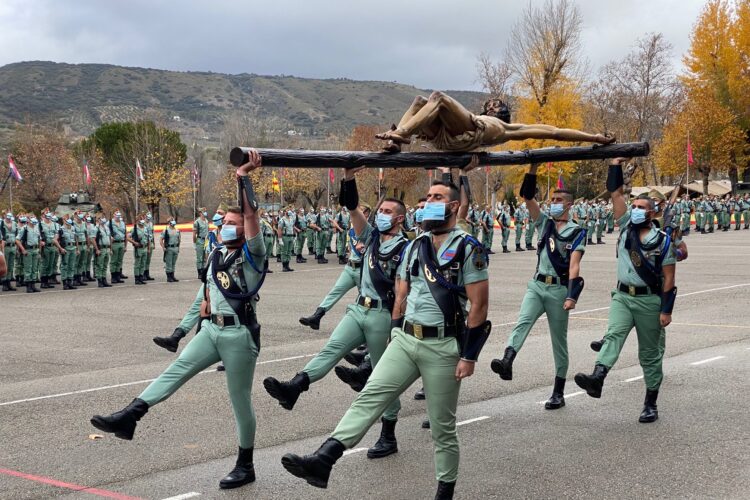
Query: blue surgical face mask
(434, 211)
(172, 223)
(228, 233)
(419, 215)
(290, 214)
(22, 219)
(383, 222)
(34, 220)
(638, 216)
(556, 209)
(69, 222)
(205, 214)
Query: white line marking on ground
(192, 494)
(571, 395)
(634, 378)
(707, 360)
(126, 384)
(472, 420)
(354, 450)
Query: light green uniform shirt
(32, 235)
(626, 273)
(200, 227)
(105, 239)
(68, 237)
(367, 288)
(421, 307)
(118, 231)
(545, 265)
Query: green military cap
(656, 195)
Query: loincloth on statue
(469, 140)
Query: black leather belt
(31, 246)
(633, 291)
(551, 280)
(420, 331)
(354, 264)
(222, 320)
(172, 246)
(103, 246)
(368, 302)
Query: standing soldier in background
(79, 226)
(8, 231)
(699, 216)
(138, 237)
(503, 218)
(29, 242)
(301, 224)
(311, 233)
(170, 244)
(601, 221)
(286, 232)
(150, 246)
(745, 210)
(267, 229)
(49, 233)
(200, 233)
(102, 244)
(472, 219)
(90, 228)
(708, 210)
(610, 218)
(118, 234)
(317, 225)
(341, 223)
(326, 224)
(23, 221)
(530, 227)
(519, 217)
(488, 229)
(69, 253)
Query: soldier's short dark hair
(455, 195)
(565, 192)
(645, 196)
(234, 210)
(401, 207)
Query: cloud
(430, 44)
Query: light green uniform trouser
(89, 259)
(81, 259)
(529, 233)
(590, 230)
(170, 258)
(68, 263)
(541, 298)
(139, 261)
(287, 248)
(506, 235)
(341, 244)
(519, 233)
(404, 361)
(200, 253)
(348, 279)
(48, 260)
(745, 215)
(641, 312)
(487, 238)
(19, 270)
(322, 241)
(55, 264)
(311, 240)
(268, 241)
(115, 260)
(599, 228)
(148, 257)
(710, 220)
(102, 263)
(359, 325)
(610, 223)
(737, 219)
(31, 265)
(698, 221)
(235, 347)
(10, 259)
(300, 242)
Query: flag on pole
(196, 175)
(138, 170)
(560, 183)
(87, 172)
(331, 177)
(689, 152)
(275, 182)
(380, 174)
(13, 169)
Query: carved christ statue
(449, 126)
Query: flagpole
(486, 185)
(192, 176)
(10, 192)
(328, 189)
(136, 188)
(687, 164)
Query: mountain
(82, 96)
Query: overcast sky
(428, 43)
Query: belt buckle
(548, 280)
(368, 302)
(418, 331)
(220, 320)
(631, 290)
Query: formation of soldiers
(78, 248)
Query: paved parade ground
(67, 355)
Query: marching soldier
(229, 332)
(118, 234)
(433, 336)
(200, 233)
(69, 253)
(29, 242)
(8, 231)
(643, 298)
(556, 285)
(138, 237)
(170, 244)
(286, 232)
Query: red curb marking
(70, 486)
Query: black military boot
(100, 282)
(123, 422)
(386, 444)
(426, 423)
(54, 280)
(342, 260)
(301, 259)
(649, 413)
(45, 283)
(68, 285)
(285, 267)
(505, 250)
(265, 268)
(599, 241)
(356, 378)
(596, 345)
(138, 280)
(529, 246)
(115, 278)
(314, 320)
(355, 357)
(104, 282)
(172, 342)
(28, 288)
(6, 285)
(315, 468)
(445, 490)
(35, 289)
(322, 259)
(557, 400)
(243, 472)
(419, 395)
(593, 383)
(147, 276)
(174, 280)
(310, 251)
(278, 258)
(20, 281)
(287, 392)
(169, 277)
(504, 367)
(519, 249)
